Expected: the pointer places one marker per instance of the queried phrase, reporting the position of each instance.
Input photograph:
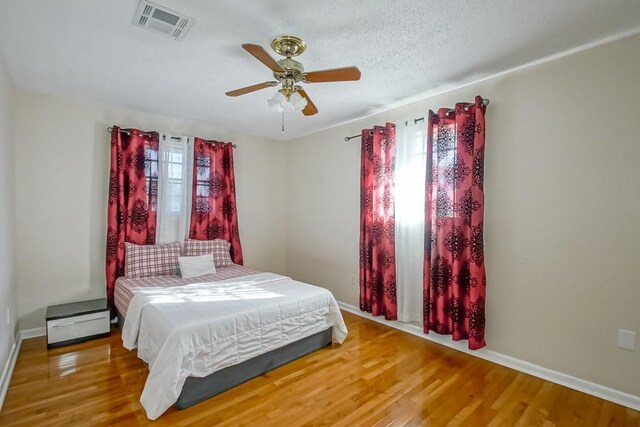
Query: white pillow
(195, 266)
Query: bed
(204, 335)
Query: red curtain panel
(377, 239)
(133, 194)
(214, 213)
(454, 273)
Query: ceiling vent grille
(162, 20)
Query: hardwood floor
(378, 377)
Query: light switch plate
(627, 339)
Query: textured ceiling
(90, 50)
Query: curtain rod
(128, 131)
(485, 101)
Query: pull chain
(283, 120)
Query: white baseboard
(7, 372)
(597, 390)
(33, 333)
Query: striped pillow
(151, 260)
(218, 247)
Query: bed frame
(196, 390)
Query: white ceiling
(88, 49)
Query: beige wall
(8, 296)
(62, 157)
(562, 221)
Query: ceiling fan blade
(333, 75)
(310, 109)
(250, 89)
(261, 55)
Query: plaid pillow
(218, 247)
(151, 260)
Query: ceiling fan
(288, 72)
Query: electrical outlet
(627, 339)
(353, 280)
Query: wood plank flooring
(378, 377)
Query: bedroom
(561, 240)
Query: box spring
(196, 390)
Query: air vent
(162, 20)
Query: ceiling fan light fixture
(277, 101)
(298, 102)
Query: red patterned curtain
(377, 240)
(133, 193)
(214, 214)
(454, 274)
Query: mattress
(127, 286)
(201, 328)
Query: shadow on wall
(328, 272)
(98, 207)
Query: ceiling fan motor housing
(293, 69)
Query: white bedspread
(197, 329)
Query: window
(411, 159)
(151, 174)
(410, 176)
(175, 180)
(174, 193)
